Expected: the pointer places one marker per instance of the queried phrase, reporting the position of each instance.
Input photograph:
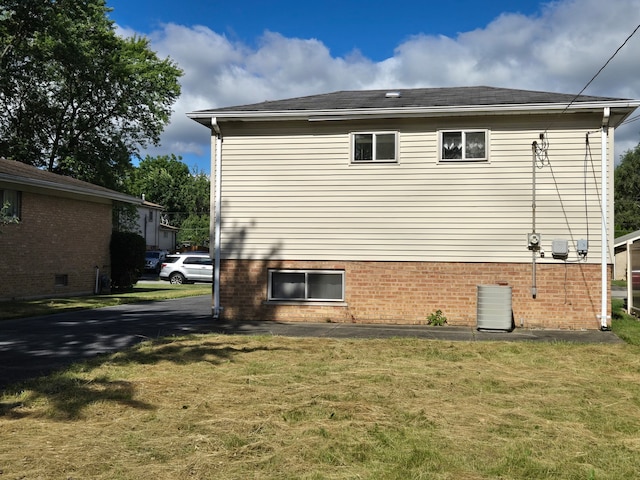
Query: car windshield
(170, 259)
(153, 254)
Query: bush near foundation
(127, 259)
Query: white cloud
(559, 49)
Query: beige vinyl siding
(291, 192)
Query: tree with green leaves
(76, 98)
(195, 230)
(627, 193)
(167, 181)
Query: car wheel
(177, 278)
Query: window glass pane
(385, 146)
(326, 286)
(287, 285)
(475, 145)
(363, 146)
(452, 145)
(12, 198)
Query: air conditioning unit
(494, 308)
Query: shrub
(436, 318)
(127, 259)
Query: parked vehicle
(153, 260)
(187, 268)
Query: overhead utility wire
(631, 120)
(544, 150)
(601, 69)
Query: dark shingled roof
(413, 98)
(21, 173)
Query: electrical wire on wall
(542, 149)
(588, 159)
(542, 159)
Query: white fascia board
(408, 112)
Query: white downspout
(628, 246)
(217, 222)
(605, 211)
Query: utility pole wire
(602, 68)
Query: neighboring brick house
(386, 206)
(62, 238)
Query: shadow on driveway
(31, 347)
(36, 346)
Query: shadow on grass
(64, 395)
(183, 351)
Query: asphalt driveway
(36, 346)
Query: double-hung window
(306, 285)
(368, 147)
(10, 203)
(464, 145)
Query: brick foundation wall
(407, 292)
(56, 236)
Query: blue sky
(249, 51)
(374, 27)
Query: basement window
(61, 280)
(306, 285)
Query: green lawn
(265, 407)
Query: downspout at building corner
(216, 200)
(605, 211)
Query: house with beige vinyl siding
(388, 205)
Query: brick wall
(56, 236)
(406, 292)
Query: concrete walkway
(450, 333)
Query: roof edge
(109, 194)
(204, 116)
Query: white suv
(187, 268)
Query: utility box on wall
(494, 308)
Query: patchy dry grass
(232, 407)
(141, 293)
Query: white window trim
(464, 131)
(352, 143)
(305, 300)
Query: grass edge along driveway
(142, 292)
